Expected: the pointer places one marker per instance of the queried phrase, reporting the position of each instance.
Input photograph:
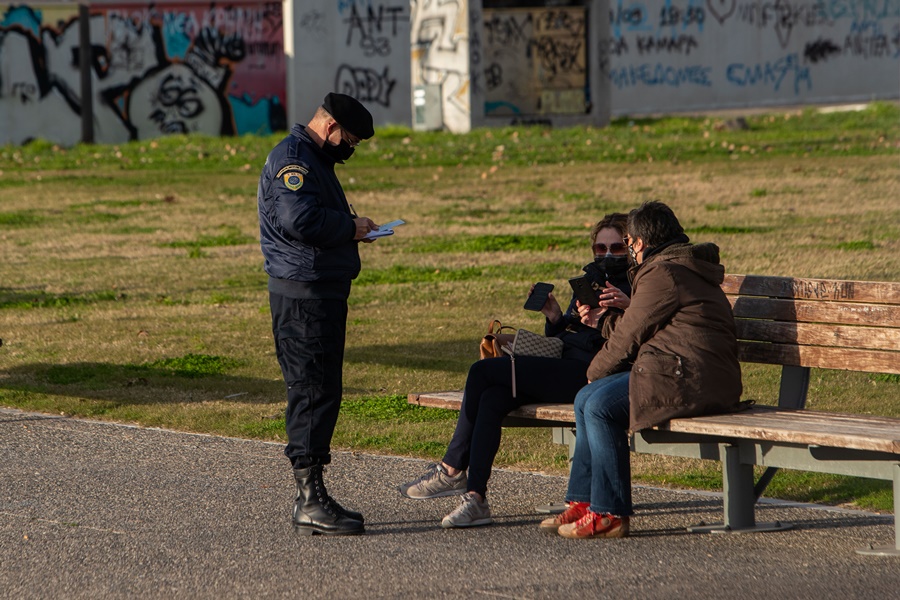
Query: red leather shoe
(575, 511)
(596, 525)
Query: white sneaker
(471, 513)
(435, 483)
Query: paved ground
(92, 510)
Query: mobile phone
(538, 296)
(586, 291)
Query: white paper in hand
(384, 230)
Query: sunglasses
(348, 138)
(615, 248)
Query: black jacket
(306, 226)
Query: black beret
(350, 114)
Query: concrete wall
(214, 68)
(538, 66)
(682, 55)
(663, 56)
(441, 55)
(357, 47)
(510, 65)
(256, 66)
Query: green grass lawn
(132, 286)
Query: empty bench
(797, 324)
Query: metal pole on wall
(85, 59)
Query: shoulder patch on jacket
(300, 168)
(292, 176)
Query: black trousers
(309, 343)
(487, 399)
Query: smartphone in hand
(538, 296)
(585, 291)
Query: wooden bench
(798, 324)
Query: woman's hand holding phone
(541, 299)
(552, 309)
(589, 316)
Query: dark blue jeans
(601, 465)
(487, 399)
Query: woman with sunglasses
(488, 395)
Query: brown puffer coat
(677, 337)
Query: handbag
(528, 343)
(493, 342)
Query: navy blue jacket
(306, 226)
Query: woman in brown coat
(672, 354)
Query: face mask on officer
(340, 152)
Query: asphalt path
(98, 510)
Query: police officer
(309, 235)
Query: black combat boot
(346, 512)
(315, 511)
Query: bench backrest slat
(825, 323)
(848, 359)
(819, 334)
(847, 313)
(876, 292)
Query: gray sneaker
(434, 484)
(471, 513)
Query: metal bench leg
(764, 480)
(791, 394)
(888, 550)
(739, 498)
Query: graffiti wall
(536, 61)
(677, 55)
(357, 47)
(256, 66)
(213, 68)
(441, 55)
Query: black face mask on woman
(339, 153)
(613, 266)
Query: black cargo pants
(309, 343)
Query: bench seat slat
(805, 427)
(846, 359)
(879, 292)
(806, 311)
(452, 400)
(860, 432)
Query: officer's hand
(363, 226)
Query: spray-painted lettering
(367, 85)
(660, 75)
(375, 28)
(770, 73)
